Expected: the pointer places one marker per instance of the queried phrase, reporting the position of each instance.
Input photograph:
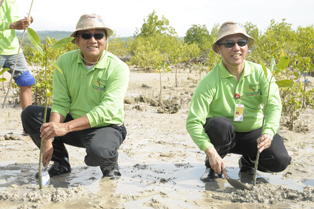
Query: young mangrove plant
(44, 52)
(274, 69)
(3, 71)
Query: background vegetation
(155, 47)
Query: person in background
(9, 47)
(87, 109)
(226, 110)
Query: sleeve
(272, 106)
(199, 108)
(4, 17)
(61, 95)
(112, 98)
(4, 25)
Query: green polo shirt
(215, 96)
(97, 93)
(9, 44)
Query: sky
(124, 16)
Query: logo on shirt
(99, 84)
(253, 90)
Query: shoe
(56, 169)
(24, 133)
(113, 173)
(246, 165)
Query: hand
(216, 162)
(21, 24)
(47, 152)
(52, 129)
(263, 142)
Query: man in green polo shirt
(226, 111)
(87, 108)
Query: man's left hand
(263, 142)
(52, 129)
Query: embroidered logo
(253, 90)
(99, 84)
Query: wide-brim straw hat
(230, 28)
(91, 21)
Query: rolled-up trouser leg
(221, 133)
(32, 120)
(102, 145)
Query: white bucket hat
(230, 28)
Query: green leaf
(48, 39)
(4, 70)
(56, 66)
(283, 63)
(2, 79)
(264, 68)
(285, 83)
(33, 37)
(63, 42)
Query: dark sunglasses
(87, 36)
(230, 44)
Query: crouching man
(87, 108)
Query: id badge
(238, 112)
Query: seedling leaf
(285, 83)
(4, 70)
(63, 42)
(283, 63)
(56, 66)
(33, 37)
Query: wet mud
(160, 164)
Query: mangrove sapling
(3, 71)
(175, 60)
(162, 68)
(274, 69)
(33, 37)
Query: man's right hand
(215, 161)
(47, 152)
(21, 24)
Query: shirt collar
(225, 73)
(102, 64)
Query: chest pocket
(252, 90)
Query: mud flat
(159, 162)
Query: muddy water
(163, 178)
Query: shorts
(22, 76)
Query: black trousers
(226, 140)
(101, 144)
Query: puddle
(308, 182)
(140, 176)
(157, 178)
(275, 179)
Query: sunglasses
(230, 44)
(87, 36)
